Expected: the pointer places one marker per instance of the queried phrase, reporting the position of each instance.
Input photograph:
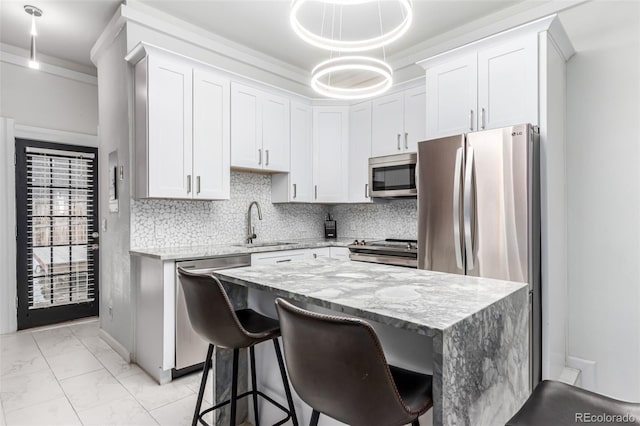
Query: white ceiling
(69, 28)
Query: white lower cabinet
(341, 253)
(288, 256)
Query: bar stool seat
(338, 367)
(559, 404)
(212, 316)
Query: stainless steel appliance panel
(440, 228)
(393, 175)
(190, 348)
(496, 204)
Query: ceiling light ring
(347, 45)
(344, 63)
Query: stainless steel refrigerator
(479, 211)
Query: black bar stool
(213, 318)
(558, 404)
(337, 366)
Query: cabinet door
(508, 84)
(452, 97)
(275, 257)
(275, 133)
(246, 127)
(211, 143)
(169, 129)
(330, 154)
(359, 152)
(388, 125)
(415, 114)
(301, 175)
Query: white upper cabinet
(453, 97)
(485, 88)
(297, 185)
(259, 130)
(388, 125)
(330, 154)
(169, 146)
(211, 142)
(359, 152)
(181, 130)
(508, 83)
(398, 122)
(415, 112)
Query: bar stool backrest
(210, 311)
(337, 366)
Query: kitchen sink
(265, 244)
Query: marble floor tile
(193, 382)
(73, 363)
(92, 389)
(86, 329)
(16, 363)
(55, 412)
(180, 413)
(116, 364)
(95, 344)
(24, 390)
(125, 412)
(56, 341)
(17, 343)
(152, 395)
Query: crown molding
(23, 61)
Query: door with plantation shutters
(57, 238)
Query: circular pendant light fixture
(329, 43)
(379, 77)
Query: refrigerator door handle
(469, 209)
(457, 176)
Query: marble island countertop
(417, 300)
(200, 252)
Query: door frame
(53, 314)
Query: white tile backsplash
(382, 219)
(174, 223)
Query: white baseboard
(115, 345)
(587, 371)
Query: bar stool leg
(252, 355)
(415, 423)
(285, 383)
(315, 415)
(203, 384)
(234, 388)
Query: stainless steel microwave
(393, 175)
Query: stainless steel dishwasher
(190, 348)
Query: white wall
(603, 182)
(53, 104)
(41, 99)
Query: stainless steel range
(390, 252)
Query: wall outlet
(104, 225)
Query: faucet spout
(251, 229)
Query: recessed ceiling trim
(23, 61)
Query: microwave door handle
(469, 209)
(457, 177)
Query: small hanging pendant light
(35, 13)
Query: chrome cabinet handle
(366, 190)
(266, 153)
(188, 184)
(471, 119)
(197, 184)
(259, 156)
(469, 209)
(406, 140)
(482, 119)
(398, 141)
(295, 191)
(316, 192)
(457, 176)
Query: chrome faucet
(252, 229)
